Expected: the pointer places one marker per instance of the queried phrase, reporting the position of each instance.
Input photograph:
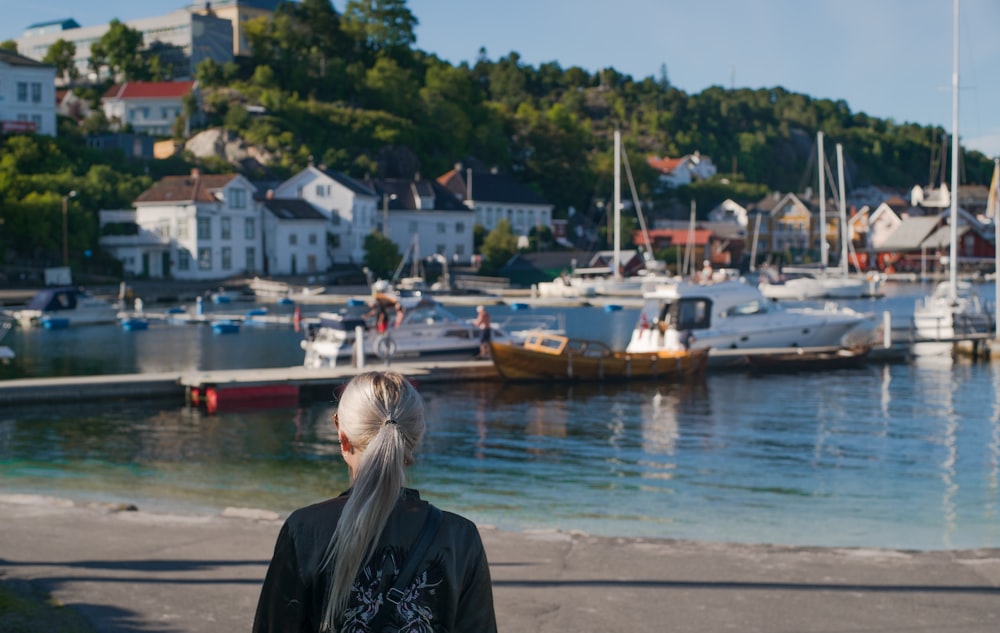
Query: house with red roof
(192, 227)
(149, 107)
(677, 172)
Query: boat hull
(517, 363)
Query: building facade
(27, 95)
(495, 196)
(195, 227)
(149, 107)
(182, 40)
(294, 238)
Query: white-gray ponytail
(383, 417)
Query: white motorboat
(57, 308)
(801, 285)
(419, 326)
(735, 321)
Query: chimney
(195, 173)
(270, 194)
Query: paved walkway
(130, 571)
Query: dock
(228, 390)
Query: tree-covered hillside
(351, 91)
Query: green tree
(119, 49)
(382, 256)
(9, 45)
(62, 54)
(380, 26)
(498, 247)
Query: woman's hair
(383, 417)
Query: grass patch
(24, 610)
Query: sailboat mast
(820, 162)
(618, 205)
(953, 251)
(843, 210)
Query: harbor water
(903, 455)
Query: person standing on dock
(485, 331)
(378, 557)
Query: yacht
(419, 326)
(56, 308)
(734, 320)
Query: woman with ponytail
(377, 558)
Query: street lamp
(385, 212)
(65, 227)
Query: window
(249, 228)
(332, 240)
(293, 239)
(335, 217)
(251, 263)
(164, 113)
(441, 249)
(237, 199)
(204, 259)
(227, 258)
(182, 228)
(460, 249)
(441, 227)
(183, 259)
(204, 228)
(36, 92)
(22, 91)
(322, 191)
(37, 120)
(226, 228)
(312, 239)
(460, 227)
(163, 228)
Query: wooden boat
(547, 356)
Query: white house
(150, 107)
(677, 172)
(423, 214)
(350, 207)
(27, 95)
(294, 238)
(195, 227)
(729, 211)
(495, 196)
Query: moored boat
(64, 307)
(735, 320)
(547, 356)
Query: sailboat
(802, 283)
(588, 282)
(954, 309)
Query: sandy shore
(129, 570)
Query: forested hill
(352, 91)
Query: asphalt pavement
(129, 570)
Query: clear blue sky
(888, 58)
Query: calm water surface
(904, 455)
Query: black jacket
(451, 591)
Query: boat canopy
(54, 299)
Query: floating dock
(227, 390)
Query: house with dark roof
(493, 195)
(350, 207)
(425, 218)
(27, 95)
(294, 237)
(150, 107)
(193, 227)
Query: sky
(891, 59)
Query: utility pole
(65, 226)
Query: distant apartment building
(27, 95)
(182, 39)
(238, 12)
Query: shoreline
(128, 569)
